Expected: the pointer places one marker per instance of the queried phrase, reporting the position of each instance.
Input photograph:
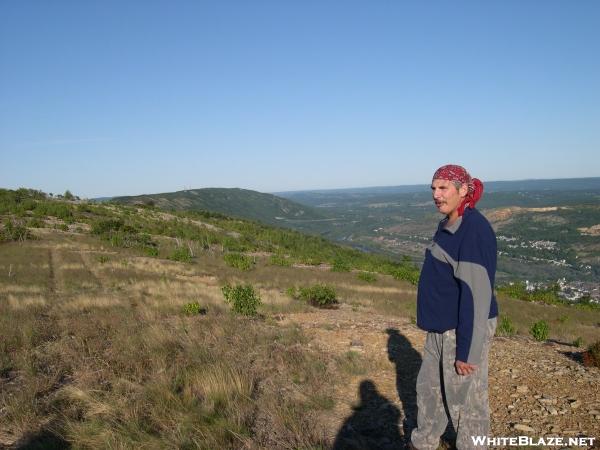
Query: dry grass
(25, 302)
(102, 364)
(97, 353)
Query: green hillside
(243, 203)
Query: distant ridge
(569, 184)
(234, 202)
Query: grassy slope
(104, 357)
(242, 203)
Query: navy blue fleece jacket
(456, 287)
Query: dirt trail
(536, 389)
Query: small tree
(539, 330)
(68, 195)
(242, 298)
(505, 327)
(319, 295)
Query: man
(457, 308)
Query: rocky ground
(536, 389)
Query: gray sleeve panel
(476, 277)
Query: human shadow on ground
(373, 425)
(43, 440)
(407, 362)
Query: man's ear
(463, 191)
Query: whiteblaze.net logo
(527, 441)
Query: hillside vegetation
(242, 203)
(118, 329)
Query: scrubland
(97, 350)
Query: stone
(524, 428)
(522, 389)
(575, 404)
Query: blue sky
(128, 97)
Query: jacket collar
(452, 229)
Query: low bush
(406, 272)
(591, 357)
(102, 259)
(367, 276)
(107, 225)
(193, 309)
(539, 330)
(279, 260)
(14, 231)
(238, 261)
(505, 327)
(35, 222)
(340, 265)
(151, 251)
(319, 295)
(181, 254)
(578, 342)
(242, 298)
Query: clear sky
(128, 97)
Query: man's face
(447, 197)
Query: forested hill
(234, 202)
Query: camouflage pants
(442, 394)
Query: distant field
(565, 213)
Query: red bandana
(458, 174)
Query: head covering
(454, 173)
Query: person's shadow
(407, 361)
(373, 425)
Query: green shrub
(292, 292)
(406, 272)
(242, 298)
(238, 261)
(539, 330)
(319, 295)
(102, 259)
(193, 309)
(279, 260)
(181, 254)
(591, 358)
(367, 276)
(14, 231)
(505, 327)
(35, 222)
(578, 342)
(151, 251)
(107, 225)
(340, 265)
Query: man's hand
(464, 368)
